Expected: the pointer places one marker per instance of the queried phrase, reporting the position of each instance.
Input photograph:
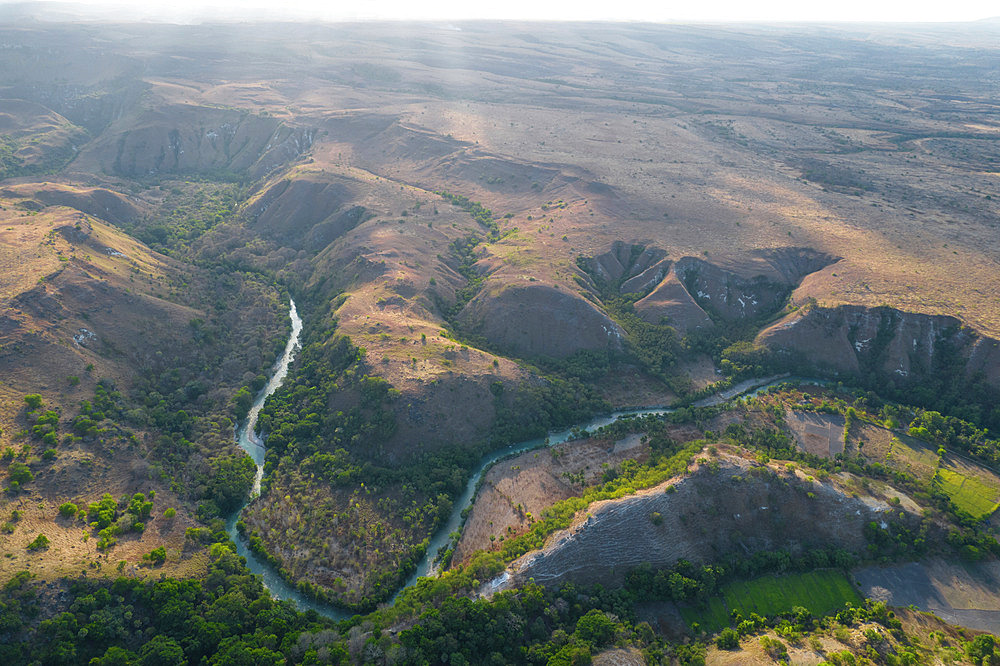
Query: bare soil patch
(620, 657)
(736, 506)
(819, 434)
(515, 491)
(963, 593)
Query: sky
(620, 10)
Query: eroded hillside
(491, 232)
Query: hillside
(495, 232)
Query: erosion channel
(254, 446)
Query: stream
(248, 440)
(254, 445)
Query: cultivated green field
(822, 592)
(968, 494)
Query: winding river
(248, 440)
(254, 445)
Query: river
(254, 445)
(248, 440)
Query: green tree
(161, 651)
(242, 402)
(114, 656)
(982, 650)
(237, 651)
(595, 627)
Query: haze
(629, 10)
(314, 335)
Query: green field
(968, 494)
(822, 592)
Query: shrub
(68, 509)
(728, 639)
(157, 555)
(19, 473)
(774, 648)
(41, 542)
(33, 400)
(170, 513)
(103, 513)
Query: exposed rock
(735, 509)
(671, 301)
(620, 657)
(689, 292)
(905, 346)
(647, 279)
(756, 288)
(622, 263)
(727, 295)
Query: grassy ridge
(821, 592)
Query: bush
(157, 555)
(41, 542)
(68, 510)
(774, 648)
(728, 639)
(982, 650)
(49, 454)
(33, 400)
(170, 513)
(19, 473)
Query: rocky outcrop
(851, 340)
(625, 264)
(690, 292)
(729, 296)
(670, 301)
(540, 320)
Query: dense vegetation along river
(254, 445)
(248, 440)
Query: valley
(769, 253)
